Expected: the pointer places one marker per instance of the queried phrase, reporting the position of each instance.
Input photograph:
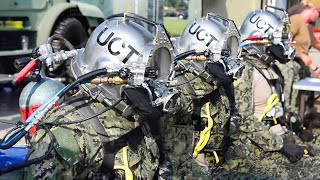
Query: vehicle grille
(10, 40)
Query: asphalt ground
(9, 109)
(9, 115)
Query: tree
(177, 4)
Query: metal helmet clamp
(268, 35)
(215, 34)
(121, 43)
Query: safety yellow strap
(272, 101)
(205, 133)
(125, 166)
(216, 157)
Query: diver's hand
(306, 136)
(292, 151)
(317, 72)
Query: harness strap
(125, 166)
(130, 139)
(278, 84)
(272, 102)
(205, 133)
(80, 102)
(110, 148)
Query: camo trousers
(247, 157)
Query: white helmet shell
(271, 26)
(261, 22)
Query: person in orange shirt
(302, 16)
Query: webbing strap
(272, 102)
(80, 102)
(205, 133)
(125, 167)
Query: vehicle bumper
(6, 78)
(15, 52)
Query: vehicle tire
(73, 30)
(180, 16)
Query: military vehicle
(26, 24)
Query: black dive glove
(306, 136)
(292, 151)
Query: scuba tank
(40, 89)
(34, 94)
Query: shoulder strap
(81, 103)
(213, 96)
(110, 148)
(278, 83)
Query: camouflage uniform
(78, 153)
(180, 137)
(292, 73)
(78, 149)
(258, 150)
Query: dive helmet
(267, 35)
(217, 35)
(121, 43)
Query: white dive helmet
(217, 34)
(121, 43)
(274, 29)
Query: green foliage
(176, 4)
(175, 25)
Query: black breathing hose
(64, 41)
(184, 55)
(85, 119)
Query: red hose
(316, 30)
(253, 38)
(23, 73)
